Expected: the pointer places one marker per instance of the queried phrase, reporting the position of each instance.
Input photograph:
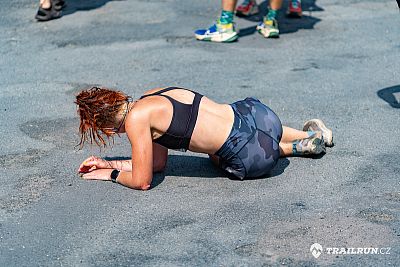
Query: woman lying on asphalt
(245, 138)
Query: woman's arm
(139, 134)
(142, 180)
(138, 130)
(160, 156)
(121, 165)
(95, 163)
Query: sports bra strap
(163, 91)
(192, 121)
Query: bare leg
(229, 5)
(290, 134)
(46, 4)
(276, 4)
(286, 149)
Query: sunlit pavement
(340, 63)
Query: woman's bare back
(213, 125)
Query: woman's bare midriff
(213, 126)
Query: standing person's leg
(228, 9)
(229, 5)
(46, 4)
(269, 27)
(223, 30)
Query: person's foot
(58, 4)
(317, 125)
(313, 145)
(221, 33)
(49, 10)
(268, 28)
(294, 9)
(247, 8)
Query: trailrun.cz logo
(316, 250)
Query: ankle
(295, 150)
(226, 17)
(46, 4)
(272, 13)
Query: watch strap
(114, 175)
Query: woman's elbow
(139, 184)
(143, 187)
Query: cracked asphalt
(340, 63)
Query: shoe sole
(47, 18)
(270, 34)
(327, 133)
(226, 39)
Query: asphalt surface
(340, 63)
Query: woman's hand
(101, 174)
(92, 163)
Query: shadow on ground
(391, 95)
(286, 25)
(73, 6)
(201, 167)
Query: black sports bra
(183, 121)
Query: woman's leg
(286, 149)
(46, 4)
(290, 134)
(300, 143)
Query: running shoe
(317, 125)
(294, 9)
(46, 14)
(312, 145)
(268, 28)
(220, 33)
(247, 8)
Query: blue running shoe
(220, 33)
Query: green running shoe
(268, 28)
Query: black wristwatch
(114, 175)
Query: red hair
(98, 109)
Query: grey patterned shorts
(252, 148)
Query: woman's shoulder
(147, 105)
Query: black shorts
(252, 148)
